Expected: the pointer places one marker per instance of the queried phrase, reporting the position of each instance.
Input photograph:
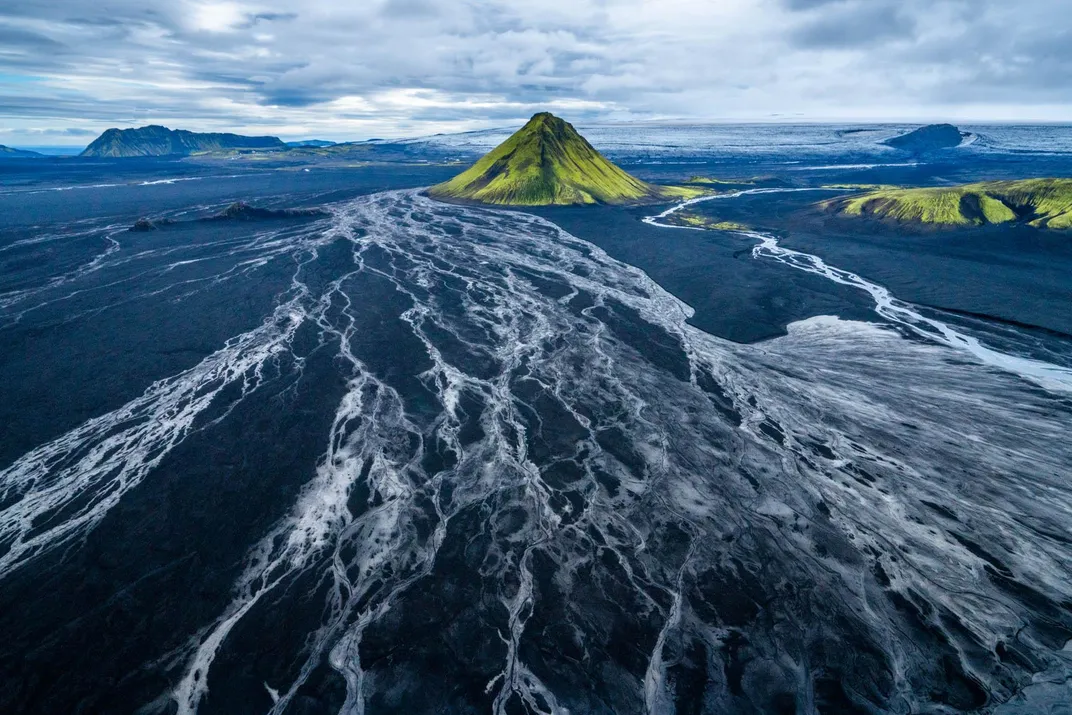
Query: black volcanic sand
(143, 336)
(45, 192)
(164, 561)
(734, 296)
(105, 625)
(140, 338)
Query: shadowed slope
(544, 163)
(1043, 203)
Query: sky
(358, 69)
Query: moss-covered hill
(547, 162)
(1043, 203)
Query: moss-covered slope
(1044, 203)
(547, 162)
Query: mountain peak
(546, 162)
(546, 118)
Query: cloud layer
(350, 70)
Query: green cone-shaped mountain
(546, 162)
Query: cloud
(216, 16)
(346, 70)
(855, 24)
(410, 8)
(16, 42)
(809, 4)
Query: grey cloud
(275, 16)
(254, 19)
(808, 4)
(856, 24)
(410, 8)
(90, 21)
(15, 39)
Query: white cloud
(217, 16)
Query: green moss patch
(1044, 203)
(686, 218)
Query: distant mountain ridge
(7, 152)
(155, 140)
(546, 163)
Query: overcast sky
(355, 69)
